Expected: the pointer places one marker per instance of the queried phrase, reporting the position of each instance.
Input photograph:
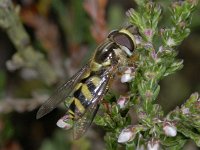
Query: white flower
(170, 42)
(126, 78)
(126, 135)
(65, 122)
(128, 75)
(122, 101)
(138, 39)
(140, 147)
(160, 49)
(153, 145)
(170, 130)
(185, 111)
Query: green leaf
(175, 66)
(141, 2)
(193, 98)
(189, 134)
(173, 142)
(99, 120)
(111, 142)
(130, 146)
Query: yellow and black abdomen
(83, 95)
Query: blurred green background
(66, 33)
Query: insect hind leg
(68, 101)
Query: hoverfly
(85, 90)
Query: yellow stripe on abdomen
(78, 85)
(96, 81)
(79, 106)
(85, 91)
(71, 113)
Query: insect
(84, 92)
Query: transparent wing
(61, 93)
(81, 125)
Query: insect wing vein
(61, 93)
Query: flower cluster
(151, 129)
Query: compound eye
(112, 33)
(124, 40)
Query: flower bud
(148, 32)
(126, 78)
(153, 145)
(169, 129)
(138, 39)
(65, 122)
(160, 49)
(154, 55)
(170, 42)
(128, 75)
(130, 12)
(140, 147)
(122, 101)
(193, 2)
(185, 110)
(126, 135)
